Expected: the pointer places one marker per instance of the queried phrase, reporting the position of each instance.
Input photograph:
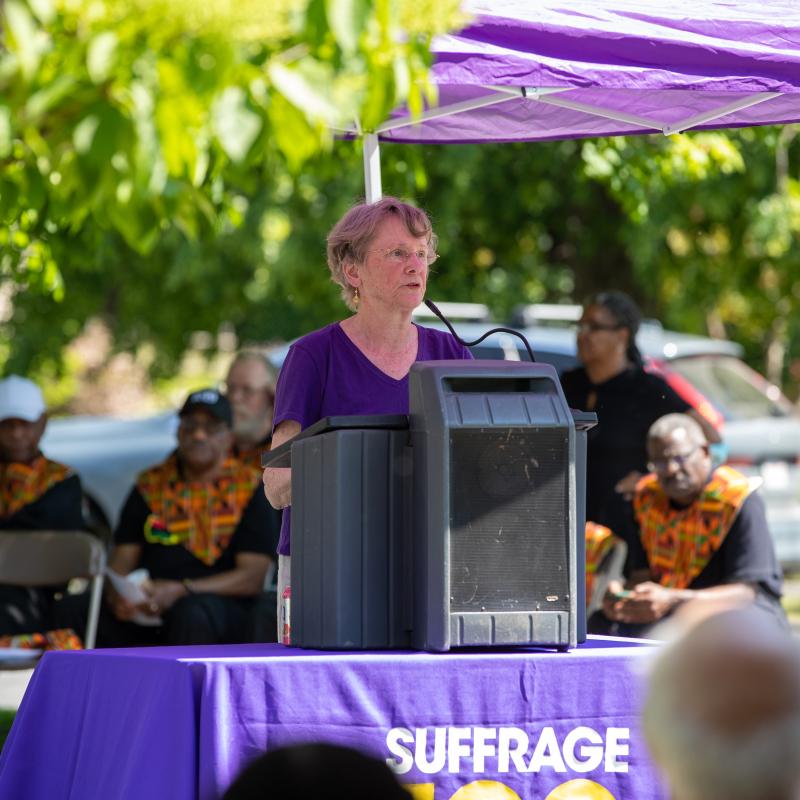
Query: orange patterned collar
(680, 542)
(200, 516)
(599, 542)
(252, 455)
(23, 484)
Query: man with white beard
(250, 388)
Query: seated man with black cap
(200, 525)
(35, 494)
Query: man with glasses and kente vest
(692, 533)
(200, 526)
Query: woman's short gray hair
(350, 237)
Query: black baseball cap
(209, 400)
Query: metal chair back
(47, 558)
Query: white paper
(129, 588)
(16, 655)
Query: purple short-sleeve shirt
(325, 374)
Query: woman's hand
(278, 480)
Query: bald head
(681, 425)
(722, 716)
(679, 455)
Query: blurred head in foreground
(722, 713)
(308, 771)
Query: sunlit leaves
(306, 86)
(293, 133)
(242, 20)
(714, 230)
(142, 140)
(137, 117)
(24, 37)
(5, 132)
(774, 229)
(347, 20)
(235, 125)
(100, 55)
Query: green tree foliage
(702, 229)
(170, 167)
(136, 134)
(713, 233)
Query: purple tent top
(524, 71)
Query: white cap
(20, 399)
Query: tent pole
(500, 95)
(618, 116)
(710, 116)
(372, 168)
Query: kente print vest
(599, 542)
(680, 542)
(23, 484)
(198, 516)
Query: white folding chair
(49, 558)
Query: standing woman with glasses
(613, 383)
(379, 254)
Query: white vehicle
(109, 453)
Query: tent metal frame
(551, 96)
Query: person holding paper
(201, 527)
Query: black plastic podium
(456, 528)
(350, 546)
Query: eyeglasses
(401, 255)
(232, 389)
(591, 327)
(211, 427)
(663, 464)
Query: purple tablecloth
(179, 723)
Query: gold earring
(356, 297)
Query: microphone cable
(444, 319)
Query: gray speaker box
(495, 539)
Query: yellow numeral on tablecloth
(494, 790)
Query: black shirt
(59, 508)
(626, 406)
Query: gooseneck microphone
(444, 319)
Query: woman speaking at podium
(380, 254)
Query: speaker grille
(509, 519)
